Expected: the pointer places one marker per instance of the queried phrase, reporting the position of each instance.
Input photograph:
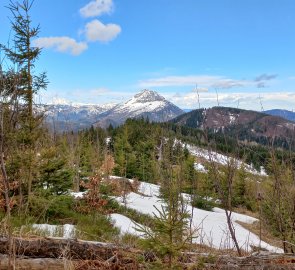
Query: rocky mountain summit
(148, 104)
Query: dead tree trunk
(59, 248)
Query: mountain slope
(282, 113)
(148, 104)
(242, 124)
(65, 117)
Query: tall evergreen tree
(23, 56)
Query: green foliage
(63, 209)
(135, 150)
(105, 189)
(55, 177)
(239, 188)
(95, 227)
(138, 217)
(46, 208)
(170, 232)
(91, 148)
(168, 237)
(203, 203)
(60, 207)
(18, 88)
(278, 203)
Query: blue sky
(104, 51)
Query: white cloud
(200, 89)
(99, 91)
(204, 81)
(97, 31)
(253, 101)
(101, 95)
(97, 8)
(61, 101)
(61, 44)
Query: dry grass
(122, 185)
(245, 211)
(203, 249)
(266, 236)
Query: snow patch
(211, 227)
(232, 118)
(78, 195)
(200, 168)
(125, 224)
(213, 156)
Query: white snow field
(210, 227)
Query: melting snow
(77, 195)
(132, 106)
(211, 227)
(232, 118)
(200, 168)
(213, 156)
(125, 224)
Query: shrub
(203, 203)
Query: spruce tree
(55, 177)
(23, 57)
(171, 231)
(239, 187)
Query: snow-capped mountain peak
(144, 102)
(148, 104)
(147, 96)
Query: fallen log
(26, 263)
(59, 248)
(31, 264)
(55, 253)
(259, 261)
(255, 261)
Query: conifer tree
(171, 231)
(239, 187)
(55, 177)
(23, 56)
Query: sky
(196, 53)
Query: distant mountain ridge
(148, 104)
(246, 125)
(67, 117)
(282, 113)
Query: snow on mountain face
(66, 117)
(72, 116)
(147, 96)
(146, 101)
(147, 104)
(75, 111)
